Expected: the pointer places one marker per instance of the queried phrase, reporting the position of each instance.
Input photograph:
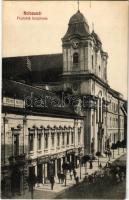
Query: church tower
(85, 74)
(82, 55)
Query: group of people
(108, 174)
(62, 175)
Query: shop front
(13, 179)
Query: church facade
(85, 73)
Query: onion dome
(78, 25)
(78, 18)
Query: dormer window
(75, 58)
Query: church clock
(75, 43)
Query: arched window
(75, 58)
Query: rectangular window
(39, 136)
(67, 138)
(58, 139)
(52, 139)
(63, 138)
(72, 137)
(16, 144)
(79, 135)
(46, 140)
(31, 142)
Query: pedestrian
(52, 181)
(122, 176)
(77, 180)
(71, 175)
(74, 173)
(38, 180)
(100, 166)
(117, 178)
(59, 176)
(91, 165)
(90, 179)
(86, 178)
(62, 177)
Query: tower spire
(90, 3)
(78, 4)
(92, 26)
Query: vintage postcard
(64, 100)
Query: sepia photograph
(64, 99)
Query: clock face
(75, 44)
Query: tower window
(75, 58)
(92, 62)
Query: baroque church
(81, 73)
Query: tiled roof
(53, 103)
(15, 68)
(44, 68)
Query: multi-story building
(34, 137)
(85, 72)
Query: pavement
(43, 191)
(58, 188)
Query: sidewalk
(58, 188)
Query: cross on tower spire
(78, 4)
(92, 26)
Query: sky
(37, 37)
